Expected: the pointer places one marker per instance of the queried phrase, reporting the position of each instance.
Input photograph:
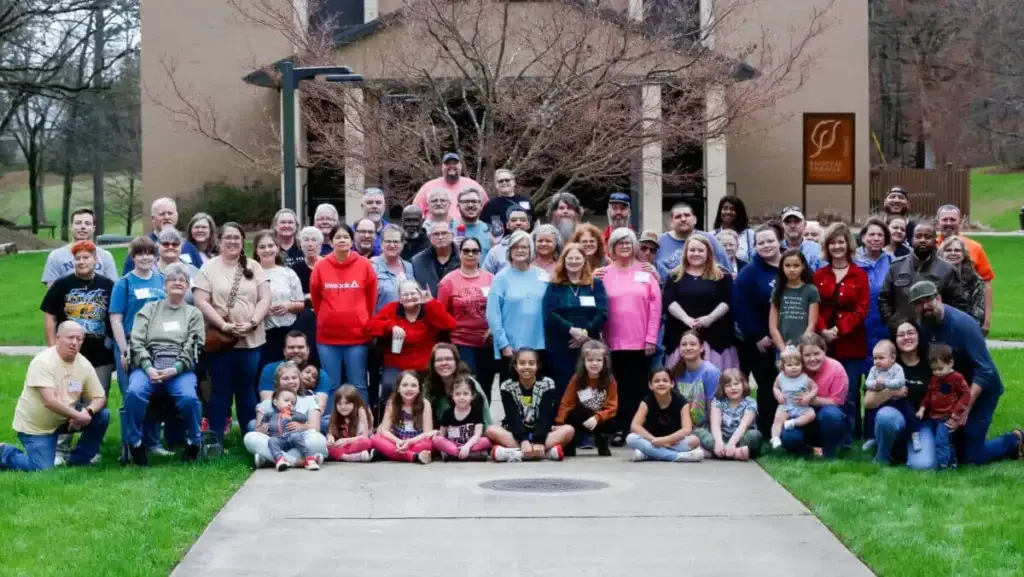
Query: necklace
(575, 288)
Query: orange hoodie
(344, 295)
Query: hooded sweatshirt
(344, 296)
(751, 302)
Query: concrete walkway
(652, 519)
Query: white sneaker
(555, 453)
(361, 457)
(694, 456)
(869, 445)
(506, 455)
(424, 457)
(915, 441)
(789, 424)
(776, 442)
(638, 456)
(96, 460)
(258, 461)
(58, 460)
(160, 451)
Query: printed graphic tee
(87, 302)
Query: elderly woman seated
(165, 344)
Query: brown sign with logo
(828, 148)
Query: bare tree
(550, 90)
(34, 130)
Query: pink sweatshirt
(634, 308)
(466, 300)
(832, 381)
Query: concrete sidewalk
(652, 519)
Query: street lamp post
(291, 77)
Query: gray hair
(280, 213)
(470, 190)
(393, 228)
(311, 232)
(326, 207)
(618, 235)
(566, 197)
(160, 201)
(411, 210)
(551, 230)
(176, 271)
(170, 235)
(514, 239)
(727, 232)
(439, 192)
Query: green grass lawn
(1008, 287)
(996, 198)
(105, 520)
(907, 524)
(14, 202)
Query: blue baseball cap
(619, 198)
(449, 157)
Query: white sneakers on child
(313, 462)
(638, 456)
(776, 442)
(694, 456)
(556, 453)
(361, 457)
(869, 445)
(506, 455)
(423, 457)
(281, 464)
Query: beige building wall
(213, 49)
(764, 160)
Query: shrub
(252, 205)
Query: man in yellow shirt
(59, 381)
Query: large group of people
(366, 340)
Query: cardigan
(846, 308)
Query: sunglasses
(648, 249)
(470, 251)
(170, 244)
(504, 180)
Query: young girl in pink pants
(407, 428)
(462, 426)
(348, 434)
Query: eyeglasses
(170, 244)
(440, 233)
(470, 251)
(504, 180)
(391, 242)
(469, 201)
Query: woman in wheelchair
(166, 340)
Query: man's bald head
(68, 327)
(69, 340)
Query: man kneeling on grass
(62, 395)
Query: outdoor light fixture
(291, 77)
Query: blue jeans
(634, 441)
(851, 408)
(978, 450)
(348, 361)
(826, 431)
(40, 450)
(481, 364)
(150, 430)
(232, 375)
(181, 389)
(894, 441)
(945, 451)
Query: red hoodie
(420, 336)
(344, 295)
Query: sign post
(828, 153)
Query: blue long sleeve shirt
(752, 295)
(515, 310)
(877, 270)
(970, 354)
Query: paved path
(653, 519)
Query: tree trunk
(99, 206)
(131, 202)
(33, 183)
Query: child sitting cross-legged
(407, 427)
(348, 434)
(662, 429)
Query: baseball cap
(898, 190)
(650, 236)
(450, 156)
(792, 211)
(923, 290)
(619, 198)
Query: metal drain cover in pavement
(544, 485)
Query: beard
(923, 252)
(565, 228)
(619, 222)
(412, 231)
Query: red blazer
(848, 306)
(420, 336)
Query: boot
(601, 442)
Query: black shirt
(460, 431)
(699, 297)
(917, 378)
(414, 246)
(292, 255)
(496, 210)
(302, 271)
(663, 422)
(87, 302)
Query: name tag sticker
(544, 276)
(74, 387)
(486, 290)
(586, 301)
(172, 326)
(186, 258)
(641, 277)
(525, 204)
(142, 293)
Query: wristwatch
(91, 412)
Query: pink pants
(387, 448)
(443, 445)
(358, 446)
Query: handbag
(216, 339)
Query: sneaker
(555, 453)
(694, 456)
(96, 459)
(505, 455)
(58, 460)
(313, 462)
(160, 451)
(915, 440)
(423, 457)
(789, 424)
(618, 440)
(869, 445)
(638, 456)
(361, 457)
(586, 442)
(601, 442)
(366, 456)
(281, 464)
(776, 442)
(190, 454)
(258, 461)
(139, 456)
